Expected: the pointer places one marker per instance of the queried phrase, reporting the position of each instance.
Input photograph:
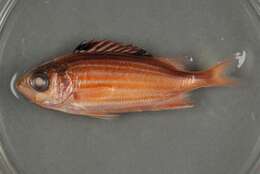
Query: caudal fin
(215, 76)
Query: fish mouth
(23, 88)
(20, 83)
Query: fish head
(48, 85)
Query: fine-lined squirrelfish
(104, 78)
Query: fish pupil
(40, 82)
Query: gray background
(216, 137)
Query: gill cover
(61, 88)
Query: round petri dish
(219, 135)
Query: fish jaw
(23, 87)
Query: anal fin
(179, 102)
(105, 116)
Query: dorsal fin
(109, 47)
(175, 63)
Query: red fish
(103, 79)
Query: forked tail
(215, 76)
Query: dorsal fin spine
(109, 47)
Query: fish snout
(24, 88)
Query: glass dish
(220, 135)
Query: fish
(104, 78)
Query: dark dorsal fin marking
(109, 47)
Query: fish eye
(39, 82)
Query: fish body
(104, 78)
